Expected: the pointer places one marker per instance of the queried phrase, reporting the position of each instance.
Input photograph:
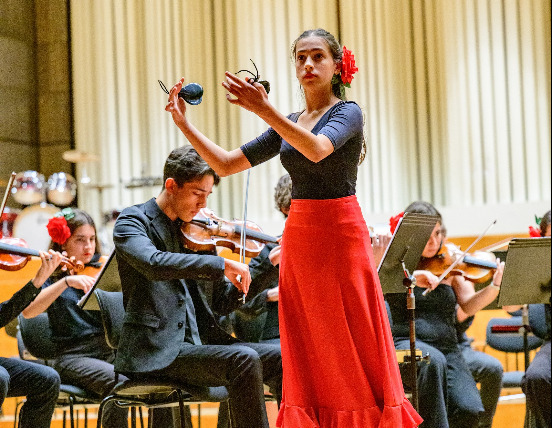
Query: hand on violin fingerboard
(379, 245)
(274, 255)
(50, 262)
(497, 277)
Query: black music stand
(400, 259)
(526, 279)
(108, 279)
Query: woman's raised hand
(176, 106)
(246, 93)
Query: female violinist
(435, 319)
(331, 301)
(84, 358)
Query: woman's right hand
(80, 282)
(176, 106)
(425, 279)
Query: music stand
(108, 279)
(526, 279)
(400, 259)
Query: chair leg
(199, 415)
(101, 409)
(181, 407)
(141, 417)
(133, 417)
(85, 417)
(16, 415)
(71, 408)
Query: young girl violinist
(84, 356)
(339, 364)
(454, 397)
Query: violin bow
(459, 259)
(8, 188)
(243, 235)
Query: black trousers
(242, 368)
(448, 394)
(40, 385)
(536, 386)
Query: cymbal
(144, 182)
(76, 156)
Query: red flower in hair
(348, 67)
(58, 230)
(534, 233)
(394, 221)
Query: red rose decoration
(58, 230)
(534, 233)
(348, 67)
(394, 221)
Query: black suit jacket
(155, 272)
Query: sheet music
(526, 277)
(408, 243)
(108, 279)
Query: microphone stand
(410, 282)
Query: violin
(15, 253)
(94, 271)
(206, 231)
(477, 267)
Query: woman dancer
(339, 362)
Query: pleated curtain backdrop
(455, 93)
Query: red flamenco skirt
(339, 362)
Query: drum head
(62, 189)
(28, 188)
(30, 225)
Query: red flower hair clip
(534, 233)
(57, 226)
(348, 67)
(394, 221)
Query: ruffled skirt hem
(400, 416)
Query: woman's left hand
(50, 261)
(250, 95)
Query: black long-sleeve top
(19, 301)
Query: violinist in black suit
(170, 328)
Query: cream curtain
(456, 96)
